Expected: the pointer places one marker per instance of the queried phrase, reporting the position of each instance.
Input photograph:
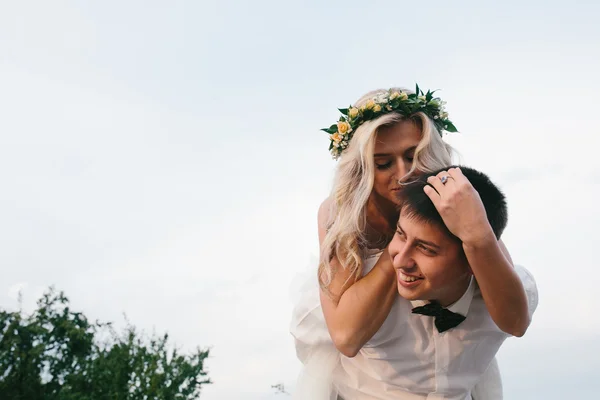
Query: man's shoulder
(529, 285)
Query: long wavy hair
(353, 185)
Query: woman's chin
(388, 198)
(393, 197)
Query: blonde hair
(353, 184)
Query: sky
(163, 160)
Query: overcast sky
(164, 160)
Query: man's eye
(427, 250)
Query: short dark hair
(417, 204)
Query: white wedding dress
(321, 360)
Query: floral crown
(341, 132)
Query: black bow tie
(444, 319)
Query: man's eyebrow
(428, 243)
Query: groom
(456, 317)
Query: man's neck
(454, 294)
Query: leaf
(331, 129)
(450, 127)
(343, 111)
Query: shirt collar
(462, 305)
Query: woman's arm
(501, 287)
(354, 311)
(505, 252)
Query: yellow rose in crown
(394, 95)
(370, 104)
(353, 112)
(344, 127)
(377, 108)
(336, 137)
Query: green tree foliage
(57, 354)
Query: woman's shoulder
(326, 205)
(325, 212)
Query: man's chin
(410, 295)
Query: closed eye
(410, 154)
(384, 166)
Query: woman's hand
(459, 206)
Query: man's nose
(401, 254)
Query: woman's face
(394, 151)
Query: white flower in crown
(443, 115)
(434, 102)
(388, 107)
(345, 144)
(382, 98)
(423, 99)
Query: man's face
(430, 264)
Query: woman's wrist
(479, 239)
